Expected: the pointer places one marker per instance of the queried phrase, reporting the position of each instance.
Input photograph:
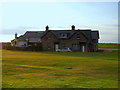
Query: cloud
(19, 30)
(11, 31)
(112, 25)
(109, 38)
(60, 0)
(27, 27)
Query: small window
(25, 45)
(49, 38)
(75, 46)
(63, 35)
(63, 45)
(78, 37)
(49, 46)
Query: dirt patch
(108, 49)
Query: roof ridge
(34, 31)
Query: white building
(29, 38)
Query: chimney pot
(47, 28)
(15, 35)
(73, 27)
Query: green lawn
(22, 69)
(108, 45)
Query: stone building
(51, 40)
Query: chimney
(73, 27)
(47, 28)
(15, 35)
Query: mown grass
(108, 45)
(23, 69)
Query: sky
(19, 17)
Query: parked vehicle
(64, 50)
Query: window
(75, 46)
(78, 37)
(25, 45)
(63, 45)
(49, 38)
(49, 46)
(63, 35)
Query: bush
(100, 51)
(30, 48)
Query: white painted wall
(22, 44)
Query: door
(83, 48)
(56, 46)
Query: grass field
(108, 45)
(22, 69)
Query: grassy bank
(23, 69)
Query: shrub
(30, 48)
(100, 51)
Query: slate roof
(87, 33)
(57, 33)
(95, 34)
(32, 36)
(35, 36)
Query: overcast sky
(34, 16)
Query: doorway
(82, 46)
(56, 46)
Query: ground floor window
(75, 46)
(63, 45)
(25, 45)
(49, 46)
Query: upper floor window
(49, 38)
(78, 37)
(63, 35)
